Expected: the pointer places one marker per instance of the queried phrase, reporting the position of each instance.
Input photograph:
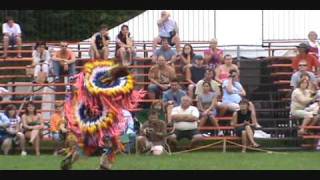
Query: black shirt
(98, 41)
(244, 117)
(197, 73)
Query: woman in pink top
(213, 56)
(222, 71)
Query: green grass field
(186, 161)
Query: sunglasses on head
(302, 64)
(64, 46)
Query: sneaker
(23, 153)
(68, 88)
(220, 133)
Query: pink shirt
(215, 57)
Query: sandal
(19, 56)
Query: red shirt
(311, 61)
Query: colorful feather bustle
(94, 110)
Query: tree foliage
(71, 25)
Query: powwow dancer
(94, 111)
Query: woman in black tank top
(243, 121)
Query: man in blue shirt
(5, 140)
(165, 51)
(172, 98)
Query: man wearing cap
(168, 28)
(194, 73)
(312, 62)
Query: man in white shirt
(168, 28)
(11, 36)
(185, 118)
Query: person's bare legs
(305, 122)
(33, 136)
(244, 141)
(6, 145)
(122, 56)
(203, 120)
(176, 41)
(105, 51)
(37, 144)
(195, 139)
(22, 141)
(172, 141)
(156, 41)
(130, 54)
(5, 45)
(19, 44)
(250, 136)
(169, 110)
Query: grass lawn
(186, 161)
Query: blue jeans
(58, 69)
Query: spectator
(58, 131)
(168, 28)
(172, 98)
(5, 140)
(301, 97)
(222, 71)
(213, 56)
(194, 73)
(187, 56)
(314, 108)
(165, 51)
(64, 60)
(33, 126)
(99, 48)
(152, 134)
(207, 103)
(41, 58)
(208, 77)
(15, 128)
(11, 36)
(313, 44)
(185, 118)
(303, 49)
(160, 76)
(232, 92)
(125, 46)
(244, 122)
(296, 77)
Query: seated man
(11, 36)
(296, 77)
(172, 98)
(99, 48)
(168, 28)
(64, 60)
(165, 51)
(5, 139)
(160, 76)
(312, 62)
(152, 134)
(194, 73)
(185, 122)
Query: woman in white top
(313, 43)
(301, 97)
(41, 58)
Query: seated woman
(244, 123)
(301, 97)
(41, 58)
(57, 127)
(32, 124)
(207, 102)
(222, 71)
(15, 129)
(213, 56)
(124, 46)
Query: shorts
(186, 134)
(12, 40)
(231, 106)
(302, 114)
(239, 130)
(3, 136)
